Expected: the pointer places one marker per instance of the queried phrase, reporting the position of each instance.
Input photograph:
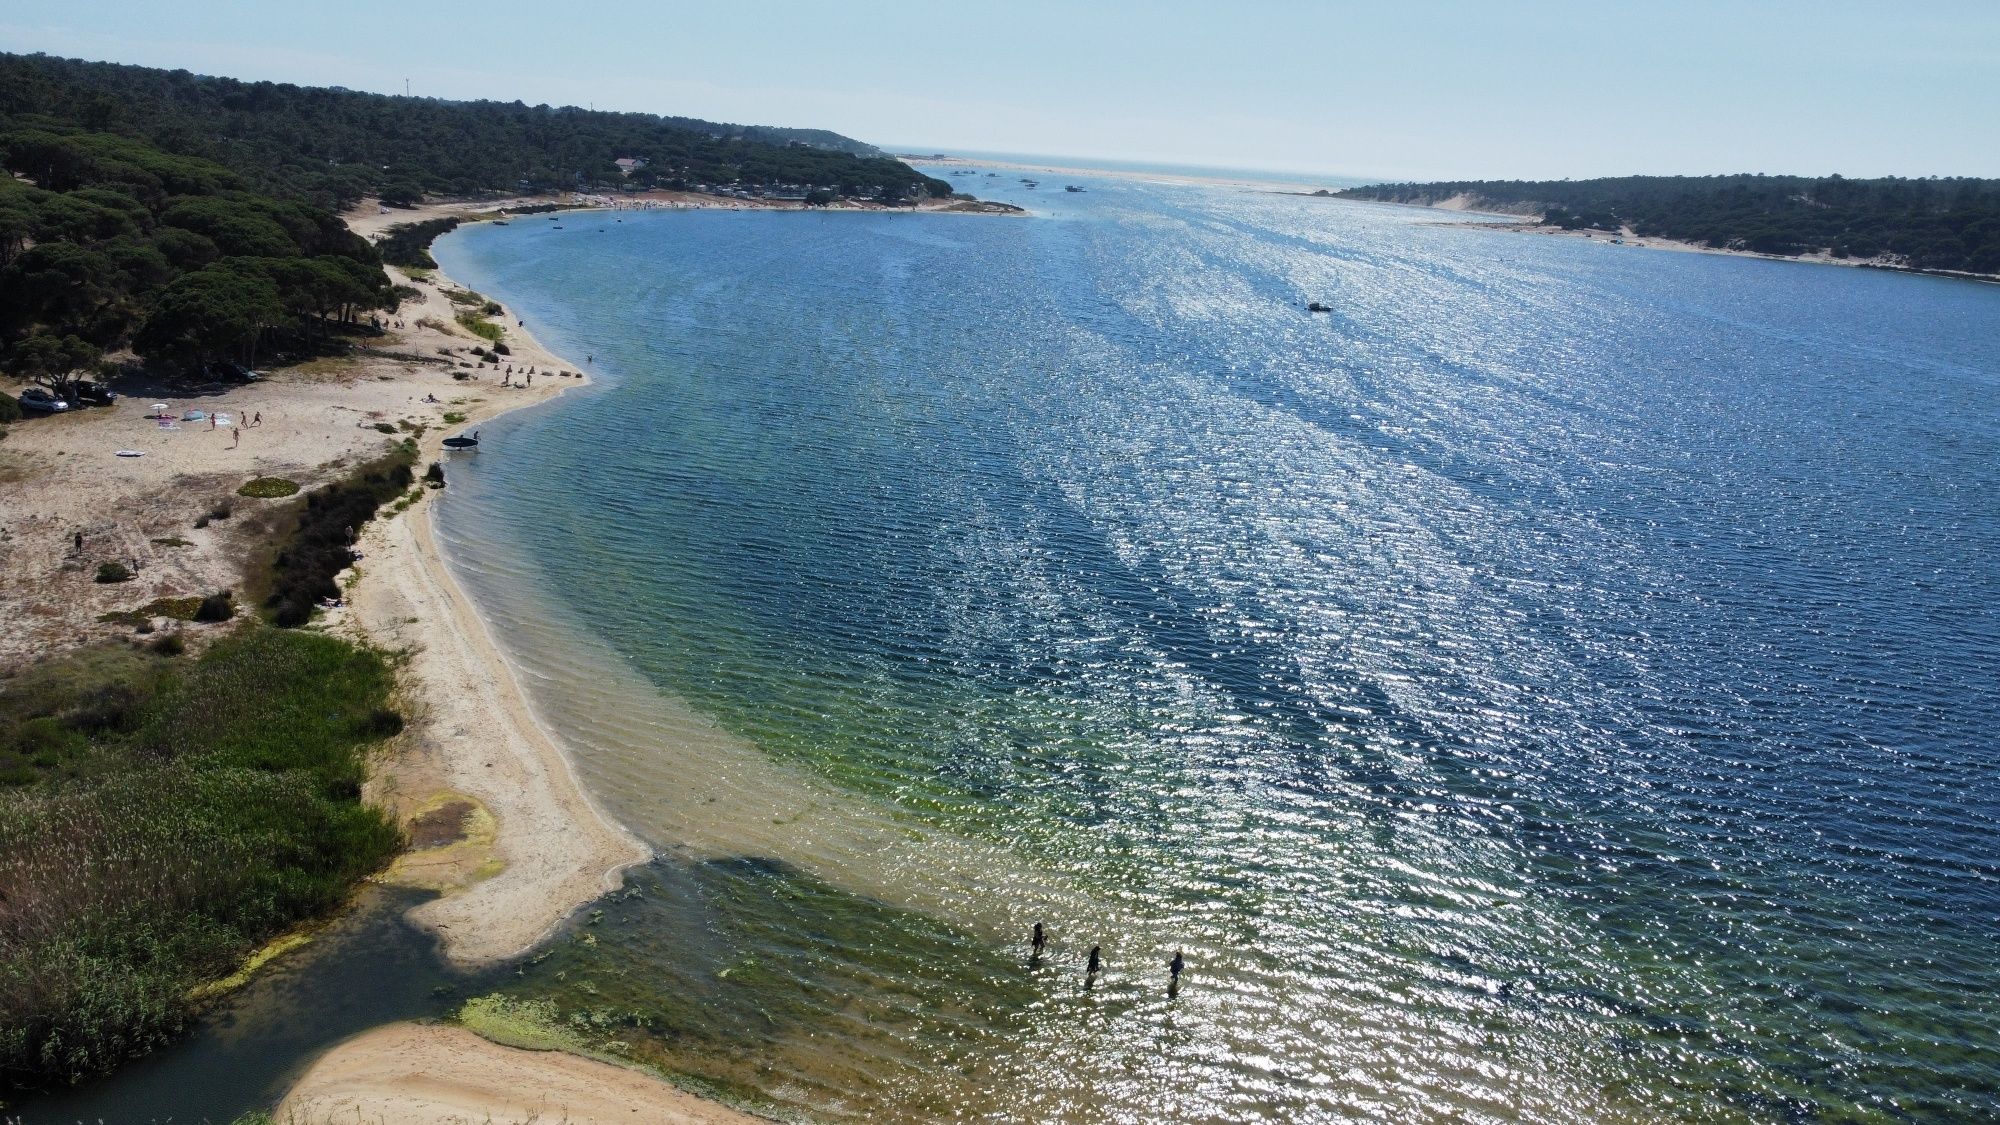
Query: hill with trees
(192, 219)
(331, 146)
(1930, 224)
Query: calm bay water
(1558, 683)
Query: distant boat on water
(1071, 187)
(1318, 307)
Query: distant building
(629, 164)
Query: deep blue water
(1558, 683)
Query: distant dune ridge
(1942, 225)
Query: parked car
(96, 393)
(35, 398)
(228, 372)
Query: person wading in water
(1040, 942)
(1174, 968)
(1091, 970)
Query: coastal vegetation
(160, 819)
(1931, 224)
(321, 544)
(409, 244)
(332, 147)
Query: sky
(1394, 90)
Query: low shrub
(434, 476)
(385, 427)
(268, 488)
(177, 609)
(113, 572)
(10, 409)
(168, 644)
(200, 522)
(502, 349)
(323, 543)
(453, 417)
(222, 510)
(218, 606)
(478, 326)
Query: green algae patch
(269, 953)
(533, 1025)
(451, 845)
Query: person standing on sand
(79, 550)
(530, 382)
(235, 436)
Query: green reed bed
(161, 818)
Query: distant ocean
(1557, 684)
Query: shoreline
(549, 848)
(533, 846)
(499, 826)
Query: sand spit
(408, 1072)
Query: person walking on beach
(79, 550)
(1174, 968)
(235, 436)
(258, 420)
(1040, 942)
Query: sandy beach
(427, 1073)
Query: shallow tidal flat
(1557, 682)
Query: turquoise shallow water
(1556, 684)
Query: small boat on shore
(462, 442)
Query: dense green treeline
(1935, 224)
(160, 818)
(108, 242)
(334, 146)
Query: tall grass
(164, 819)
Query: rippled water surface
(1557, 684)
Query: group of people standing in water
(1040, 941)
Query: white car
(35, 398)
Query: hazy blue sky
(1433, 90)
